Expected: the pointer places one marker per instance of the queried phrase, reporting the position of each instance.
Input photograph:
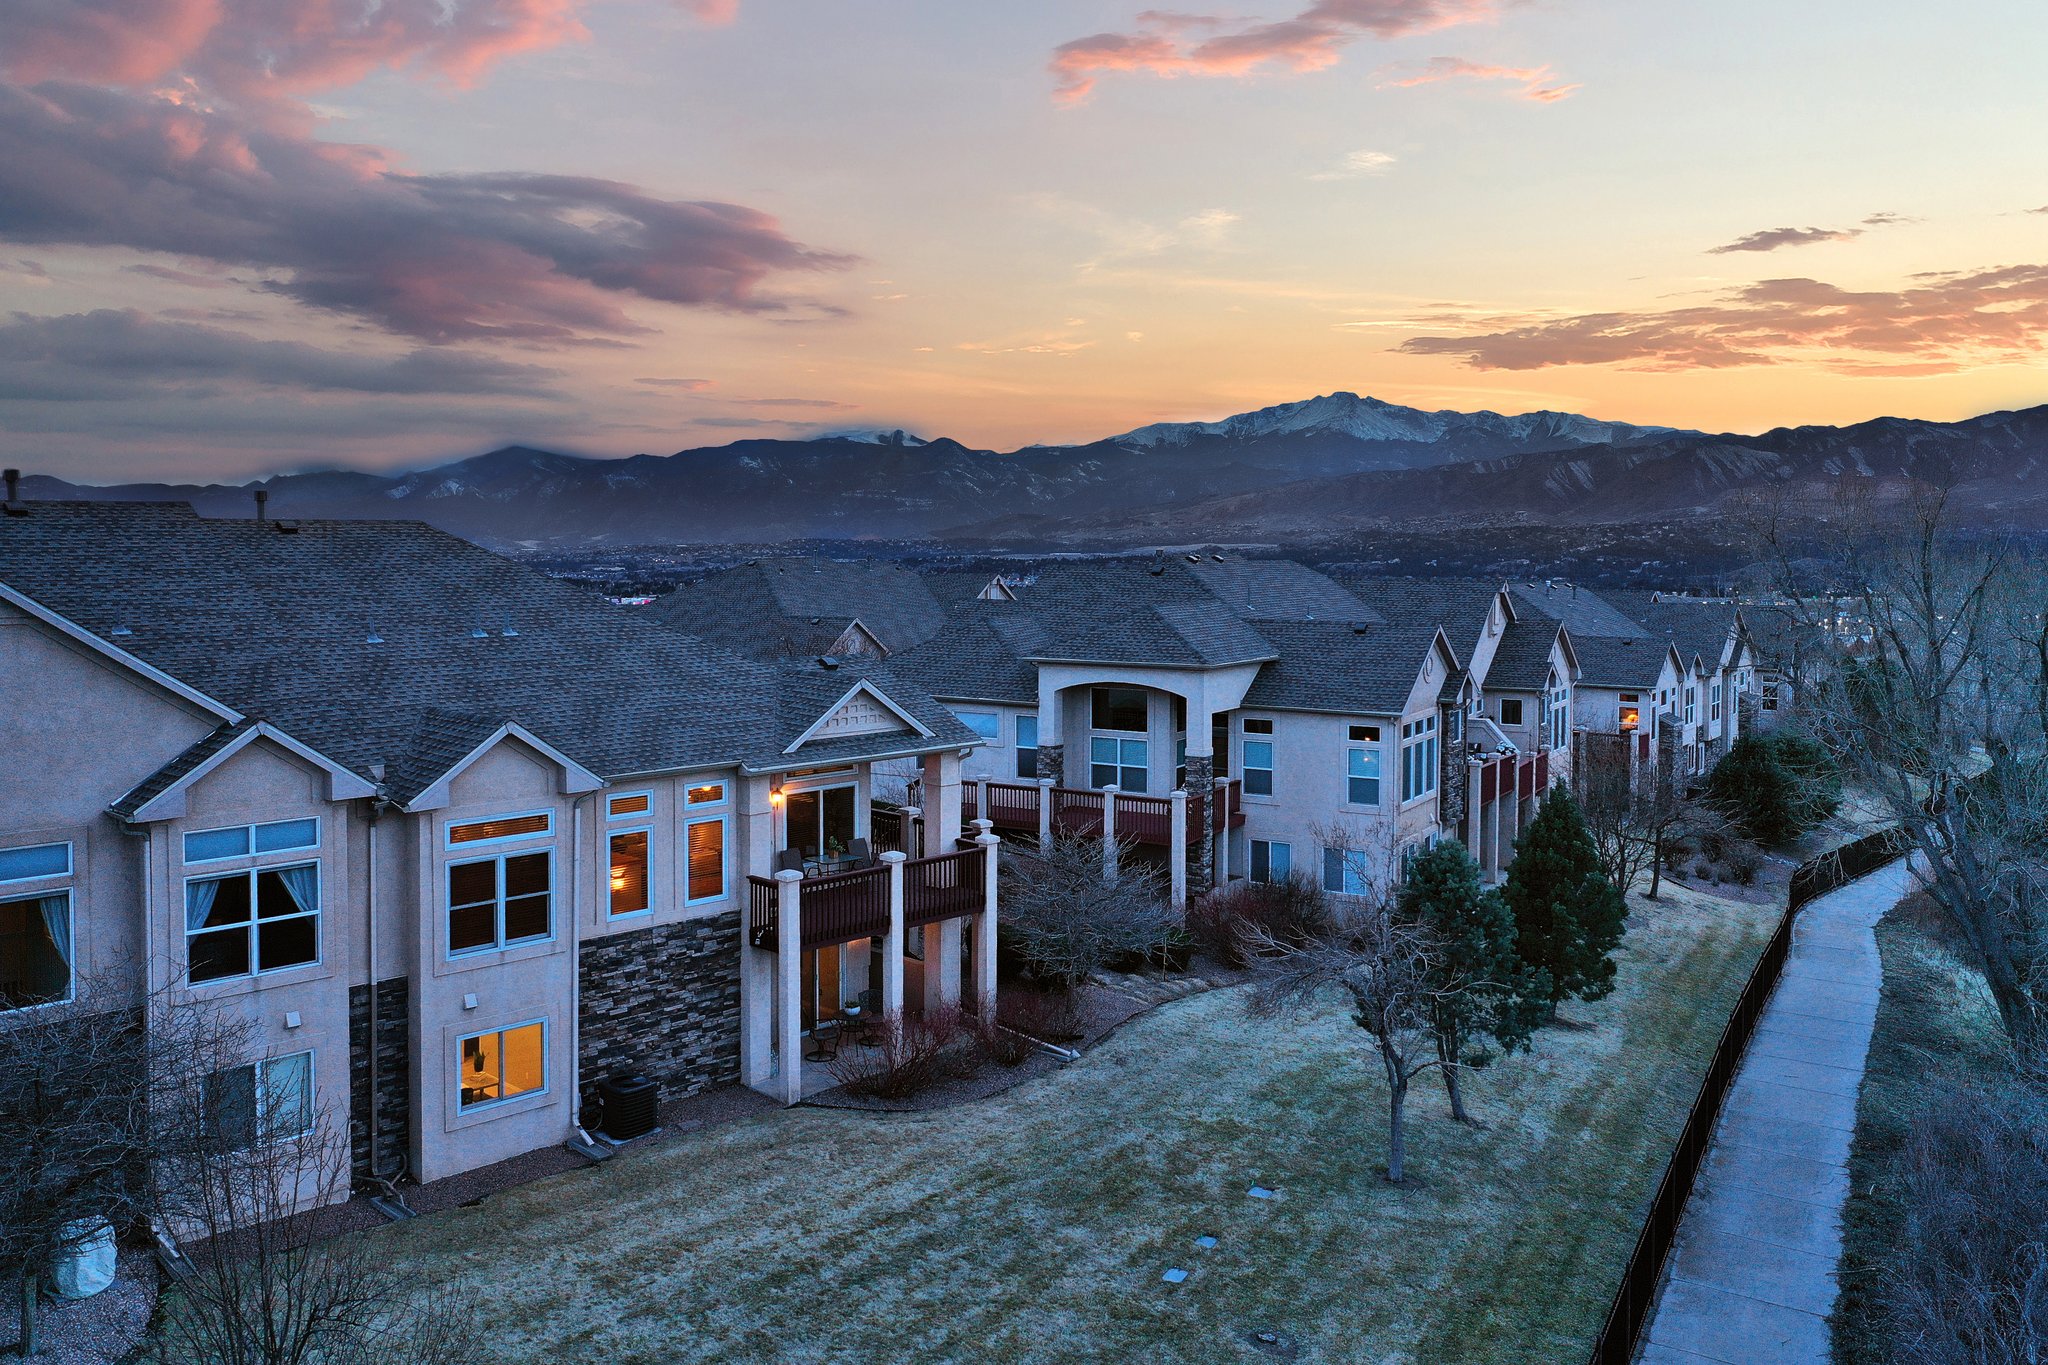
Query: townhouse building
(455, 839)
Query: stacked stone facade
(664, 1002)
(392, 1121)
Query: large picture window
(631, 889)
(1119, 708)
(1418, 758)
(501, 1065)
(705, 842)
(245, 923)
(1120, 761)
(498, 902)
(35, 950)
(264, 1101)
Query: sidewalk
(1751, 1280)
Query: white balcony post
(1177, 835)
(985, 927)
(1044, 814)
(1109, 868)
(913, 831)
(892, 946)
(1475, 769)
(789, 986)
(1219, 820)
(981, 810)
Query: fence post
(1045, 800)
(1177, 843)
(893, 944)
(985, 927)
(1109, 867)
(913, 831)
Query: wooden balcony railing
(850, 905)
(1013, 808)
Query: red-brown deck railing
(850, 905)
(1013, 808)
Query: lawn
(1036, 1225)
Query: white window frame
(481, 1106)
(610, 814)
(1358, 749)
(251, 851)
(1352, 865)
(1692, 700)
(994, 734)
(545, 832)
(1420, 736)
(1286, 851)
(254, 924)
(1120, 738)
(1521, 710)
(1248, 737)
(498, 943)
(1022, 748)
(260, 1086)
(724, 793)
(609, 835)
(1714, 703)
(70, 863)
(69, 948)
(724, 822)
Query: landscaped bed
(1037, 1224)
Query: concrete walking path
(1751, 1278)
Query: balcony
(843, 906)
(1014, 808)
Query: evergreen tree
(1775, 787)
(1568, 917)
(1488, 992)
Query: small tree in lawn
(1389, 972)
(1489, 992)
(1568, 917)
(1070, 910)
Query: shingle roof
(1608, 662)
(1581, 611)
(1192, 632)
(1460, 605)
(977, 656)
(166, 777)
(1696, 625)
(1333, 666)
(1280, 590)
(1522, 662)
(797, 606)
(281, 626)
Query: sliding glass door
(820, 822)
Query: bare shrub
(999, 1044)
(1968, 1284)
(1230, 924)
(914, 1054)
(1073, 909)
(1050, 1016)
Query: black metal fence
(1638, 1291)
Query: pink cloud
(1175, 44)
(1941, 323)
(439, 257)
(1530, 78)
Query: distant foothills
(1319, 472)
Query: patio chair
(789, 860)
(824, 1041)
(859, 852)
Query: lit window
(635, 803)
(1271, 862)
(497, 902)
(1364, 772)
(508, 827)
(630, 893)
(241, 841)
(706, 794)
(502, 1065)
(35, 950)
(246, 923)
(705, 840)
(263, 1102)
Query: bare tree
(1080, 904)
(1387, 970)
(1621, 803)
(78, 1140)
(1935, 703)
(276, 1281)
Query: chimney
(13, 485)
(262, 497)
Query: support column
(1219, 801)
(757, 1017)
(1473, 781)
(941, 803)
(1177, 855)
(1045, 785)
(985, 928)
(789, 987)
(1495, 861)
(913, 831)
(942, 964)
(1109, 851)
(1202, 778)
(893, 943)
(981, 807)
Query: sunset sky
(239, 236)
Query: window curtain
(199, 899)
(57, 922)
(303, 884)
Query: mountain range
(1302, 472)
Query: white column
(941, 803)
(1109, 832)
(1177, 857)
(1219, 811)
(892, 944)
(1500, 801)
(981, 810)
(913, 831)
(757, 1017)
(1474, 774)
(985, 929)
(942, 964)
(789, 986)
(1044, 814)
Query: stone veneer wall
(664, 1002)
(1201, 778)
(394, 1078)
(1052, 763)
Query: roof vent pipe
(262, 497)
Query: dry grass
(1036, 1225)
